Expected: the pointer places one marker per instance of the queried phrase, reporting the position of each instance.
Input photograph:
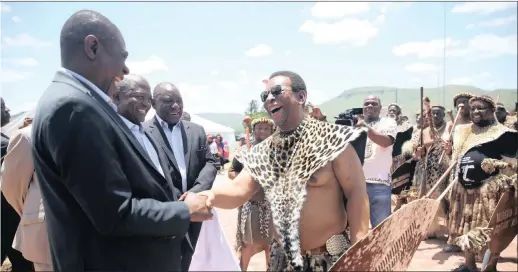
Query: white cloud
(482, 7)
(479, 47)
(9, 75)
(461, 81)
(229, 85)
(349, 30)
(484, 75)
(148, 66)
(495, 22)
(16, 19)
(24, 40)
(433, 48)
(260, 50)
(214, 72)
(22, 61)
(421, 68)
(4, 8)
(287, 53)
(335, 10)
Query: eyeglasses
(275, 91)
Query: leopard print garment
(245, 210)
(311, 263)
(284, 162)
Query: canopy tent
(210, 127)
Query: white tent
(210, 127)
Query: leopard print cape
(243, 212)
(284, 162)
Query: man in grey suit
(185, 144)
(107, 205)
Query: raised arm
(83, 147)
(349, 172)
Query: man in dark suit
(107, 205)
(10, 218)
(186, 147)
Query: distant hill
(233, 120)
(407, 98)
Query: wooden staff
(450, 114)
(451, 129)
(246, 122)
(441, 179)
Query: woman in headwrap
(485, 151)
(253, 233)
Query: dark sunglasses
(275, 91)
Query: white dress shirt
(376, 167)
(138, 132)
(174, 137)
(79, 77)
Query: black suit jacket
(106, 206)
(201, 171)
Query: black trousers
(10, 220)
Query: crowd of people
(88, 184)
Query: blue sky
(218, 53)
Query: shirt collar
(79, 77)
(164, 124)
(131, 125)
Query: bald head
(373, 98)
(371, 108)
(168, 102)
(80, 25)
(133, 82)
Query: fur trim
(467, 95)
(484, 98)
(407, 149)
(475, 240)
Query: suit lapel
(186, 139)
(157, 132)
(164, 165)
(113, 115)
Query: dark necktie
(171, 126)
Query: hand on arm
(349, 172)
(105, 195)
(233, 194)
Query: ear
(91, 46)
(302, 96)
(153, 103)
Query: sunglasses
(275, 91)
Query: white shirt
(138, 132)
(79, 77)
(376, 167)
(175, 140)
(213, 148)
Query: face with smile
(482, 113)
(133, 100)
(284, 104)
(371, 108)
(168, 103)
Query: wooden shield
(392, 244)
(504, 222)
(402, 177)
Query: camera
(349, 117)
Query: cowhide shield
(391, 245)
(504, 222)
(402, 177)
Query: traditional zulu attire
(254, 217)
(510, 120)
(282, 164)
(486, 164)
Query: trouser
(379, 201)
(9, 224)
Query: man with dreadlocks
(305, 169)
(254, 232)
(428, 168)
(485, 151)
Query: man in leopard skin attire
(254, 232)
(305, 159)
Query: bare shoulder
(346, 159)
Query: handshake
(199, 205)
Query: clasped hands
(199, 205)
